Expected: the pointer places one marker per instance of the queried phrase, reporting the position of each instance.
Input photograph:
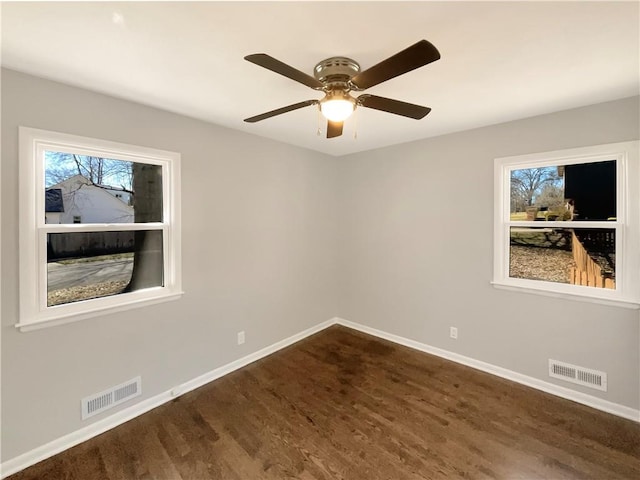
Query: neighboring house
(78, 200)
(54, 205)
(120, 194)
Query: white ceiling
(500, 60)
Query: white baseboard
(74, 438)
(567, 393)
(67, 441)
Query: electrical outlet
(453, 332)
(240, 337)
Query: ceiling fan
(337, 77)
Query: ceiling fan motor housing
(336, 70)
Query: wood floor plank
(344, 405)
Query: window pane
(563, 255)
(85, 265)
(585, 191)
(85, 189)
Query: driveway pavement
(60, 275)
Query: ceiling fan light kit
(337, 106)
(337, 77)
(336, 73)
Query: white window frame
(626, 225)
(34, 312)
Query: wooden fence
(587, 272)
(88, 244)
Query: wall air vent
(99, 402)
(580, 375)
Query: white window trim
(627, 224)
(34, 313)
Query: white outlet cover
(453, 332)
(240, 338)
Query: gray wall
(416, 246)
(258, 255)
(277, 239)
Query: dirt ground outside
(85, 292)
(534, 263)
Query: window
(84, 251)
(566, 223)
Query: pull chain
(355, 124)
(319, 132)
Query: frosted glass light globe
(337, 109)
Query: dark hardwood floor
(344, 405)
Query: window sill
(630, 304)
(75, 317)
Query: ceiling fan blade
(393, 106)
(280, 111)
(270, 63)
(334, 129)
(415, 56)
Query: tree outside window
(109, 233)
